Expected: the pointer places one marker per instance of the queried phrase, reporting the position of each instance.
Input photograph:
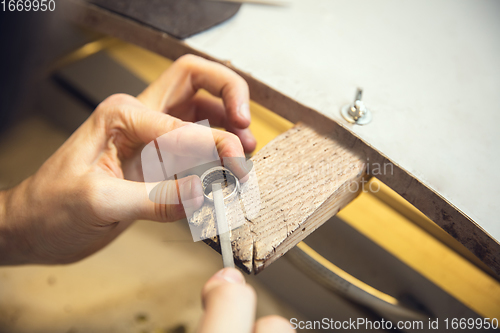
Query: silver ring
(219, 174)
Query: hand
(229, 306)
(177, 92)
(81, 198)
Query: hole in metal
(229, 182)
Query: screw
(356, 113)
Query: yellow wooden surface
(374, 218)
(424, 253)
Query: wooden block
(304, 179)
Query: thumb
(168, 201)
(229, 303)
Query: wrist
(3, 218)
(14, 245)
(5, 233)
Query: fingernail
(244, 111)
(231, 275)
(186, 190)
(191, 188)
(246, 165)
(196, 188)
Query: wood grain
(304, 178)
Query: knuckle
(241, 81)
(234, 142)
(187, 60)
(229, 145)
(101, 110)
(111, 103)
(117, 99)
(114, 110)
(233, 138)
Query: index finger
(189, 74)
(196, 145)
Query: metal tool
(356, 113)
(222, 226)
